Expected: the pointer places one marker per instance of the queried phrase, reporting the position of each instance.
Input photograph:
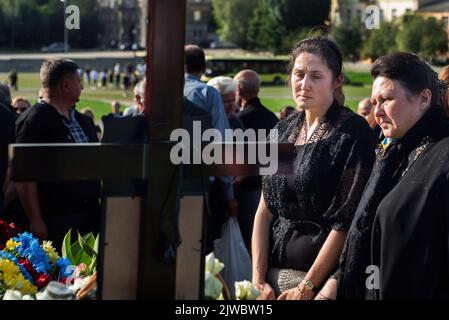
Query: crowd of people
(367, 191)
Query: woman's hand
(266, 291)
(329, 290)
(297, 293)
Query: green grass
(274, 97)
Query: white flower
(212, 286)
(245, 290)
(12, 295)
(213, 265)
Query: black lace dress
(330, 172)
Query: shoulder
(39, 113)
(287, 128)
(352, 124)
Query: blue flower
(65, 266)
(30, 249)
(10, 257)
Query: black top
(235, 123)
(7, 119)
(330, 172)
(255, 116)
(44, 124)
(402, 223)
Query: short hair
(5, 94)
(20, 99)
(54, 70)
(251, 84)
(224, 85)
(194, 59)
(414, 74)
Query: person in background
(14, 79)
(20, 104)
(209, 99)
(90, 113)
(254, 115)
(285, 112)
(52, 208)
(227, 88)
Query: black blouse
(401, 227)
(330, 172)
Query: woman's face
(312, 82)
(396, 110)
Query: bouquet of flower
(215, 287)
(27, 266)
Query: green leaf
(66, 247)
(97, 243)
(93, 266)
(87, 249)
(89, 239)
(77, 252)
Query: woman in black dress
(300, 225)
(397, 246)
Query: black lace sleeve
(357, 147)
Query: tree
(232, 17)
(381, 41)
(424, 36)
(296, 14)
(349, 37)
(264, 29)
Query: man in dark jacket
(254, 116)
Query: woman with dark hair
(397, 246)
(300, 225)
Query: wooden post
(163, 101)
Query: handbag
(284, 279)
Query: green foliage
(296, 15)
(381, 41)
(348, 35)
(424, 36)
(232, 17)
(264, 29)
(84, 250)
(35, 23)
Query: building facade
(199, 22)
(121, 20)
(390, 10)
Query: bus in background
(271, 70)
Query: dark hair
(54, 70)
(322, 47)
(413, 73)
(194, 59)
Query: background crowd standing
(311, 234)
